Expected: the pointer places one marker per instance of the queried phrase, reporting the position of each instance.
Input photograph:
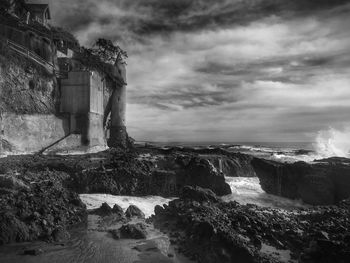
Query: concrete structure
(87, 99)
(82, 96)
(39, 13)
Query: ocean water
(145, 203)
(244, 190)
(247, 190)
(328, 143)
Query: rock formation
(208, 230)
(324, 182)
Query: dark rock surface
(134, 211)
(324, 182)
(128, 174)
(198, 194)
(103, 210)
(133, 231)
(229, 232)
(40, 210)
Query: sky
(225, 70)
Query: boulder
(12, 229)
(117, 209)
(103, 210)
(198, 194)
(134, 211)
(60, 234)
(176, 171)
(133, 231)
(321, 183)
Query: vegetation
(18, 6)
(62, 34)
(107, 51)
(101, 56)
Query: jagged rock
(134, 231)
(29, 214)
(321, 183)
(103, 210)
(134, 211)
(198, 194)
(231, 232)
(117, 209)
(60, 234)
(158, 209)
(115, 233)
(12, 229)
(177, 170)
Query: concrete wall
(96, 94)
(30, 133)
(75, 92)
(83, 98)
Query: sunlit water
(244, 190)
(146, 204)
(247, 190)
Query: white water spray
(333, 143)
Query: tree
(17, 6)
(5, 6)
(107, 51)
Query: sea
(329, 143)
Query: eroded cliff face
(29, 99)
(25, 88)
(321, 183)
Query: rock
(134, 231)
(322, 183)
(29, 214)
(117, 209)
(134, 211)
(198, 194)
(115, 233)
(200, 172)
(12, 229)
(103, 210)
(158, 209)
(231, 232)
(60, 234)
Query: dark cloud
(166, 16)
(236, 70)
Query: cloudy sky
(225, 70)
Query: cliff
(324, 182)
(25, 88)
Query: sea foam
(333, 143)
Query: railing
(26, 52)
(37, 59)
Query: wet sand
(94, 244)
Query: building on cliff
(58, 104)
(39, 13)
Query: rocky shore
(209, 230)
(323, 182)
(39, 201)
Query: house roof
(40, 8)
